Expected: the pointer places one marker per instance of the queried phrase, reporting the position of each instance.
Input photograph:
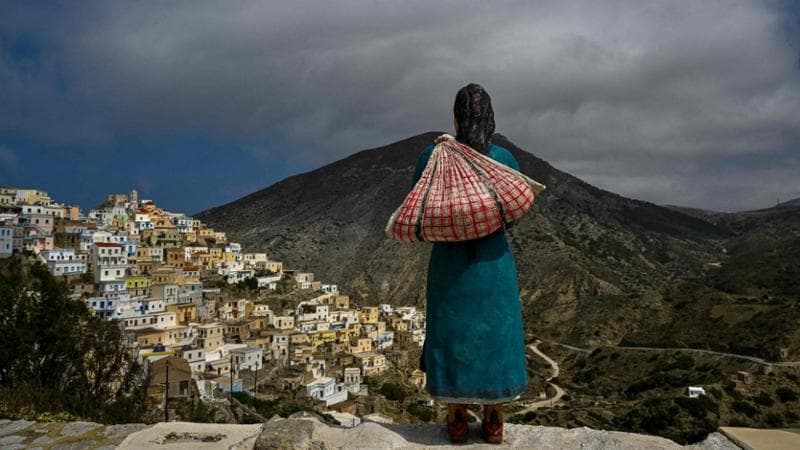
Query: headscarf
(475, 117)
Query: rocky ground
(305, 430)
(59, 435)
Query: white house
(58, 254)
(111, 296)
(239, 275)
(371, 362)
(153, 305)
(310, 312)
(263, 311)
(313, 326)
(352, 379)
(279, 344)
(233, 247)
(252, 258)
(695, 391)
(250, 358)
(62, 261)
(189, 251)
(109, 261)
(270, 283)
(326, 389)
(385, 339)
(342, 318)
(161, 321)
(6, 241)
(196, 358)
(284, 322)
(102, 307)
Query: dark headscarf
(475, 117)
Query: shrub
(57, 356)
(394, 391)
(774, 419)
(764, 399)
(786, 394)
(698, 407)
(684, 362)
(585, 376)
(744, 407)
(737, 422)
(422, 412)
(530, 416)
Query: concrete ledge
(187, 436)
(761, 439)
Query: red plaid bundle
(461, 195)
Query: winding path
(556, 371)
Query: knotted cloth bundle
(461, 195)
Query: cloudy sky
(198, 103)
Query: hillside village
(206, 317)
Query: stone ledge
(188, 436)
(308, 431)
(761, 439)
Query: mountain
(793, 203)
(595, 268)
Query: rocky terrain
(306, 431)
(595, 268)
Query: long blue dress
(474, 349)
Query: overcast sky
(195, 104)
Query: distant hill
(594, 267)
(794, 203)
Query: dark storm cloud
(8, 160)
(653, 100)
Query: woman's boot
(492, 423)
(457, 425)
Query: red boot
(457, 426)
(492, 423)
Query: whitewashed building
(109, 261)
(326, 389)
(6, 241)
(62, 261)
(250, 358)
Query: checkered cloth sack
(461, 195)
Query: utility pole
(231, 390)
(255, 381)
(166, 394)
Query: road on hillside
(754, 359)
(556, 371)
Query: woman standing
(474, 349)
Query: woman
(474, 349)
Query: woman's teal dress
(474, 348)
